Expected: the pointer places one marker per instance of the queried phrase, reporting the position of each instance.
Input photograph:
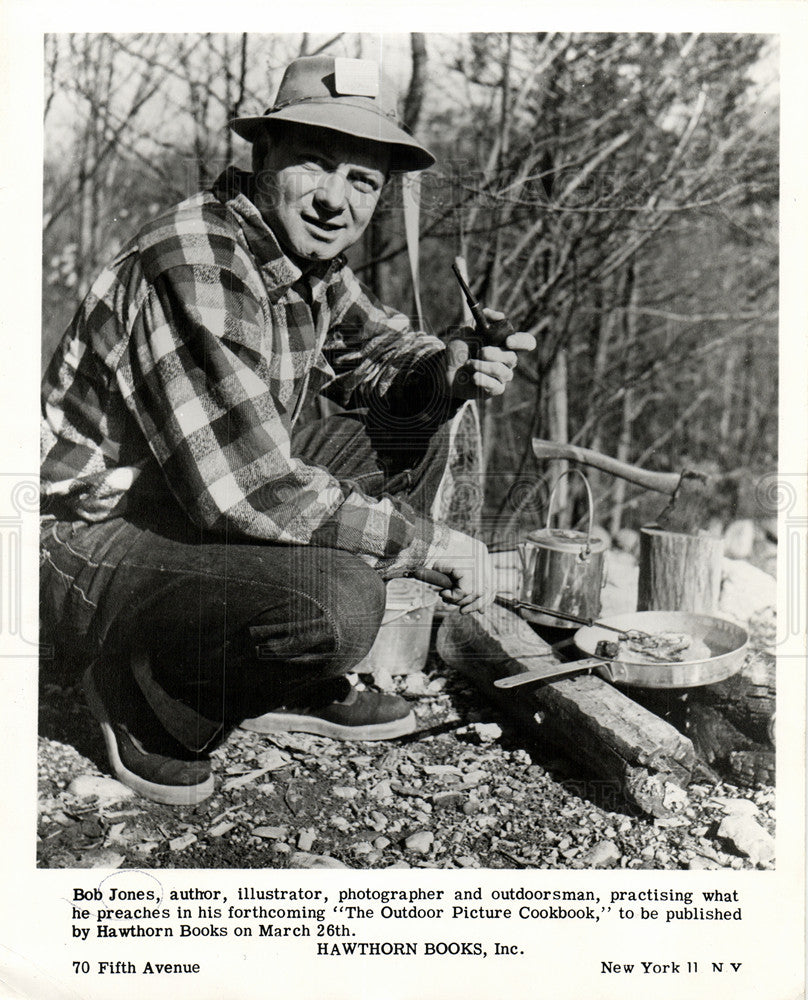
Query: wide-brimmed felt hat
(346, 95)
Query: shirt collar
(234, 188)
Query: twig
(287, 802)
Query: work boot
(151, 763)
(351, 715)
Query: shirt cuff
(429, 541)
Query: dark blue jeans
(231, 629)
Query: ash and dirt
(468, 791)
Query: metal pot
(563, 569)
(726, 641)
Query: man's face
(317, 190)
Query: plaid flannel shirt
(186, 364)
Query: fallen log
(752, 768)
(731, 723)
(748, 699)
(618, 741)
(722, 746)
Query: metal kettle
(562, 568)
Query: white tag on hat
(356, 77)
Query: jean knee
(356, 606)
(326, 622)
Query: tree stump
(679, 572)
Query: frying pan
(726, 641)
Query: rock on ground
(745, 590)
(602, 855)
(302, 859)
(739, 539)
(619, 592)
(420, 842)
(86, 786)
(747, 837)
(468, 804)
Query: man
(212, 559)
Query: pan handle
(610, 670)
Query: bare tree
(615, 194)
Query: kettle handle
(588, 548)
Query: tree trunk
(729, 389)
(679, 572)
(558, 430)
(415, 93)
(629, 324)
(603, 327)
(622, 744)
(623, 455)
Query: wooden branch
(328, 44)
(620, 743)
(242, 76)
(721, 317)
(675, 425)
(143, 94)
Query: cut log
(752, 768)
(748, 699)
(732, 723)
(714, 737)
(724, 747)
(679, 572)
(620, 743)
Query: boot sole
(170, 795)
(288, 722)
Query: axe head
(688, 510)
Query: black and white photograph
(420, 538)
(409, 459)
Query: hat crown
(343, 95)
(329, 78)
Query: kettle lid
(565, 540)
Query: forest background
(615, 194)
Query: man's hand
(467, 562)
(487, 374)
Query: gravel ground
(465, 792)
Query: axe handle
(662, 482)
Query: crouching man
(211, 559)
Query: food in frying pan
(607, 649)
(660, 647)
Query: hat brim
(406, 153)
